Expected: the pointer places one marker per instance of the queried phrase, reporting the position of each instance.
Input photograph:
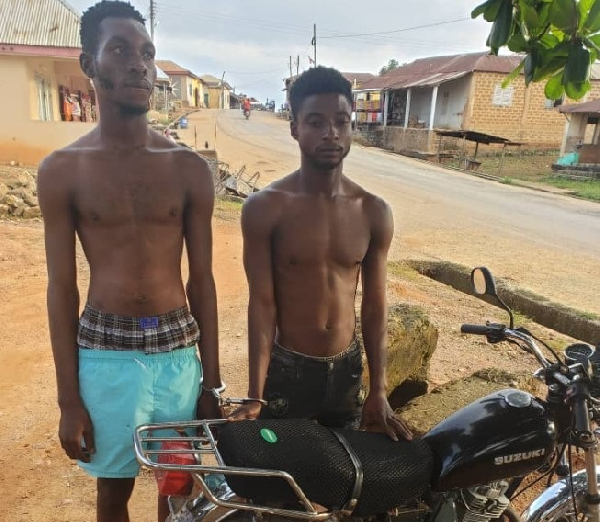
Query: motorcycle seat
(324, 463)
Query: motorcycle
(468, 468)
(247, 113)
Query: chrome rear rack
(147, 444)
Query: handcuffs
(216, 393)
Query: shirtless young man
(307, 238)
(133, 198)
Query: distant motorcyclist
(246, 107)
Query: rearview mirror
(483, 282)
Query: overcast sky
(252, 41)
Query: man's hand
(377, 415)
(248, 411)
(76, 426)
(208, 407)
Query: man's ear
(86, 62)
(294, 129)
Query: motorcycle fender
(556, 502)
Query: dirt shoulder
(39, 483)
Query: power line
(237, 21)
(283, 27)
(381, 33)
(255, 73)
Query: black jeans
(327, 389)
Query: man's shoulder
(60, 161)
(275, 194)
(371, 202)
(180, 158)
(191, 166)
(266, 206)
(264, 201)
(375, 203)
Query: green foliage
(391, 65)
(560, 40)
(586, 189)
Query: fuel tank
(506, 434)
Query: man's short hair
(318, 80)
(89, 31)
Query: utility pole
(291, 71)
(314, 43)
(223, 91)
(152, 18)
(297, 65)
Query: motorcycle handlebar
(499, 332)
(475, 329)
(582, 418)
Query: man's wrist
(378, 389)
(67, 403)
(214, 391)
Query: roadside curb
(539, 309)
(489, 177)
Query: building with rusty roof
(48, 102)
(219, 93)
(459, 92)
(358, 79)
(582, 132)
(187, 88)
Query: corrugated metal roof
(48, 23)
(170, 67)
(422, 72)
(161, 75)
(213, 81)
(359, 77)
(435, 79)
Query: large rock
(26, 195)
(19, 210)
(31, 200)
(32, 212)
(32, 187)
(3, 190)
(4, 211)
(11, 200)
(21, 179)
(412, 339)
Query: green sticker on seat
(268, 435)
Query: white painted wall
(452, 103)
(420, 105)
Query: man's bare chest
(315, 237)
(118, 193)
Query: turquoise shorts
(123, 389)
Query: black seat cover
(393, 471)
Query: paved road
(544, 242)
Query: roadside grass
(536, 166)
(525, 165)
(587, 189)
(228, 208)
(403, 270)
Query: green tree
(559, 40)
(391, 65)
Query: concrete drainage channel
(565, 320)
